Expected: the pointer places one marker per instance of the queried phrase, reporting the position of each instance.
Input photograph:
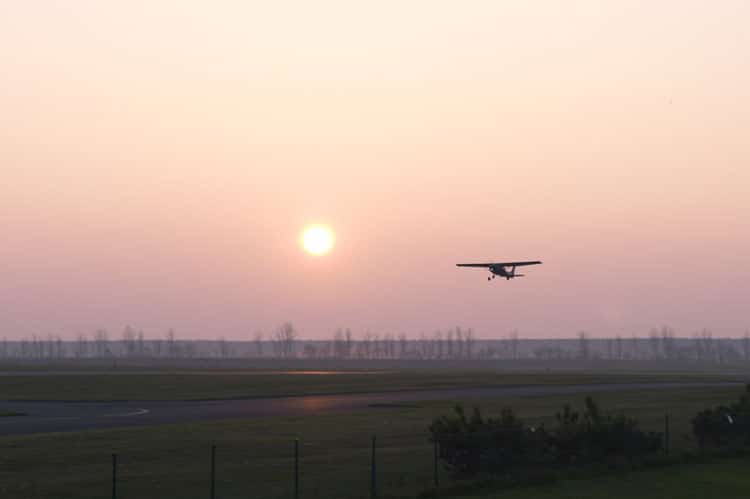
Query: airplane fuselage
(503, 271)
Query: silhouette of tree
(583, 345)
(285, 336)
(101, 342)
(171, 344)
(513, 343)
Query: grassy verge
(202, 385)
(725, 478)
(254, 457)
(8, 414)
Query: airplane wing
(498, 264)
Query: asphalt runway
(44, 417)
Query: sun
(317, 239)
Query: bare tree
(366, 345)
(459, 343)
(129, 341)
(583, 345)
(470, 342)
(707, 341)
(157, 347)
(223, 347)
(618, 346)
(258, 339)
(339, 344)
(654, 343)
(668, 346)
(439, 345)
(390, 345)
(349, 342)
(513, 343)
(80, 350)
(101, 342)
(37, 347)
(285, 335)
(141, 344)
(171, 344)
(634, 350)
(376, 349)
(403, 346)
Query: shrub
(474, 444)
(724, 425)
(471, 445)
(594, 437)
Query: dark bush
(471, 445)
(595, 437)
(474, 444)
(724, 425)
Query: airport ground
(255, 455)
(725, 478)
(218, 385)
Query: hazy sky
(158, 160)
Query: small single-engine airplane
(502, 269)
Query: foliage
(9, 414)
(724, 425)
(595, 437)
(471, 445)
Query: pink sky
(159, 160)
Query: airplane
(500, 268)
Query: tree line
(285, 342)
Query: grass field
(255, 456)
(204, 385)
(8, 414)
(724, 478)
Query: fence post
(435, 463)
(666, 433)
(373, 473)
(213, 471)
(296, 468)
(114, 476)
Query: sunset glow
(182, 149)
(317, 240)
